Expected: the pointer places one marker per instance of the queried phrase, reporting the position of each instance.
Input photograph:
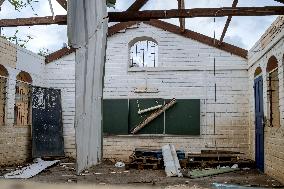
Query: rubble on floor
(149, 159)
(106, 174)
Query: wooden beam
(153, 14)
(63, 3)
(181, 20)
(235, 2)
(137, 5)
(196, 12)
(1, 2)
(59, 19)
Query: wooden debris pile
(214, 158)
(148, 159)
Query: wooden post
(181, 20)
(87, 32)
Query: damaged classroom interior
(136, 101)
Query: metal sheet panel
(47, 127)
(87, 31)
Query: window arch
(3, 93)
(143, 52)
(273, 91)
(23, 99)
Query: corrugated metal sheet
(87, 31)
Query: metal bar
(153, 116)
(137, 5)
(235, 2)
(196, 12)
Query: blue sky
(243, 31)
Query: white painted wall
(270, 44)
(186, 71)
(15, 141)
(60, 74)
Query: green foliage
(43, 52)
(111, 3)
(17, 40)
(20, 4)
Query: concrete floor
(107, 175)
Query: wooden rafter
(181, 6)
(235, 2)
(59, 19)
(154, 14)
(63, 3)
(1, 2)
(137, 5)
(196, 12)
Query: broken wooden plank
(153, 116)
(171, 162)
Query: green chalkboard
(115, 116)
(154, 127)
(183, 118)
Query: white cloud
(243, 31)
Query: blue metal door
(259, 129)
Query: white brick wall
(15, 141)
(271, 44)
(60, 74)
(186, 71)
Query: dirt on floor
(107, 174)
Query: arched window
(273, 91)
(3, 85)
(23, 99)
(143, 52)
